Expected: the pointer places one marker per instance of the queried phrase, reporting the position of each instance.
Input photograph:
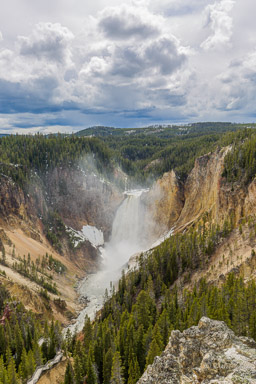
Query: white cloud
(220, 22)
(239, 84)
(126, 22)
(47, 41)
(115, 63)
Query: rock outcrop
(202, 188)
(163, 204)
(207, 353)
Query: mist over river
(126, 240)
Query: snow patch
(93, 234)
(88, 233)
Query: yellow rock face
(202, 188)
(164, 204)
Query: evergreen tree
(91, 375)
(3, 372)
(134, 370)
(87, 331)
(107, 365)
(37, 354)
(78, 369)
(31, 363)
(117, 370)
(154, 351)
(19, 343)
(69, 374)
(24, 367)
(12, 374)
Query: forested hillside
(20, 155)
(146, 153)
(48, 196)
(20, 332)
(135, 323)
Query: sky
(69, 64)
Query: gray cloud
(164, 55)
(48, 41)
(220, 22)
(126, 22)
(125, 61)
(159, 58)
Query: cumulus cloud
(138, 59)
(239, 84)
(127, 22)
(126, 55)
(220, 22)
(48, 41)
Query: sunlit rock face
(208, 353)
(163, 204)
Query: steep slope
(209, 353)
(163, 203)
(203, 189)
(47, 218)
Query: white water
(93, 234)
(126, 240)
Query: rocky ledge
(207, 353)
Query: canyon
(91, 227)
(88, 201)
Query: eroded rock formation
(207, 353)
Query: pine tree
(31, 363)
(134, 370)
(107, 365)
(3, 372)
(23, 367)
(69, 374)
(3, 259)
(117, 370)
(78, 369)
(37, 354)
(91, 376)
(87, 331)
(53, 344)
(8, 355)
(2, 340)
(12, 375)
(140, 348)
(154, 351)
(19, 343)
(252, 325)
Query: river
(126, 240)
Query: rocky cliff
(207, 353)
(205, 191)
(163, 204)
(46, 217)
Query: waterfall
(127, 231)
(126, 240)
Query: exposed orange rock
(202, 188)
(164, 203)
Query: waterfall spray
(126, 240)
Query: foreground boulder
(207, 353)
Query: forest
(136, 321)
(137, 318)
(144, 154)
(21, 156)
(20, 332)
